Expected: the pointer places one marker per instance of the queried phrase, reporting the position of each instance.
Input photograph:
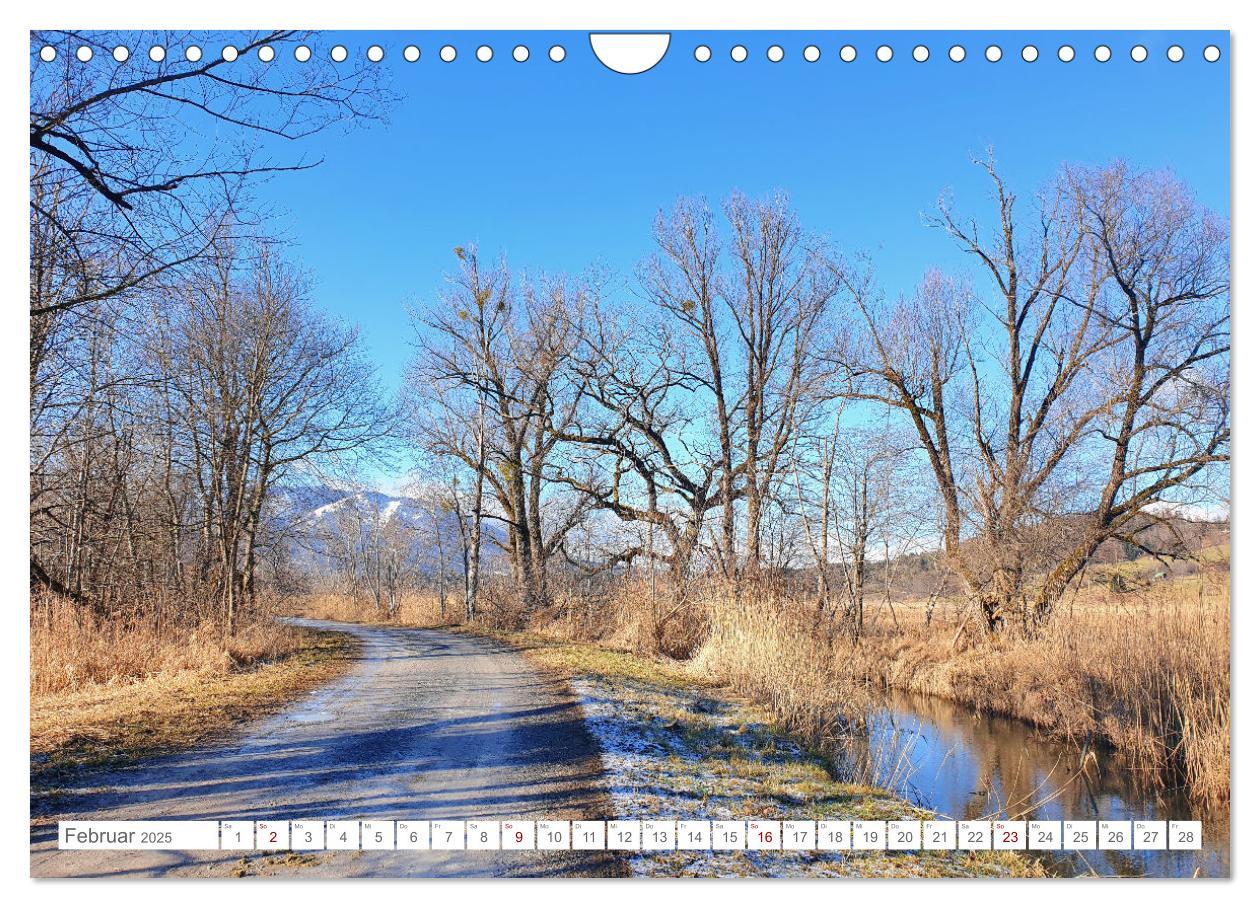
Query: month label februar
(180, 835)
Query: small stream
(964, 766)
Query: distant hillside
(318, 520)
(1185, 539)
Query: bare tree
(779, 294)
(641, 458)
(491, 390)
(469, 518)
(813, 469)
(698, 404)
(1016, 401)
(140, 168)
(442, 530)
(875, 512)
(368, 547)
(139, 173)
(1166, 379)
(683, 281)
(151, 478)
(855, 495)
(264, 385)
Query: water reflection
(969, 766)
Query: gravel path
(426, 725)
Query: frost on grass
(680, 754)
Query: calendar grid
(632, 835)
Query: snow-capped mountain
(322, 524)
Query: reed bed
(778, 654)
(1146, 673)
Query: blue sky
(563, 164)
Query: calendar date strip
(630, 835)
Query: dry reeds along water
(1145, 672)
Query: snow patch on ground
(680, 754)
(644, 764)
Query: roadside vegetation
(107, 693)
(1166, 713)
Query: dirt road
(427, 725)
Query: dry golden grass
(113, 692)
(414, 610)
(72, 649)
(777, 654)
(1147, 672)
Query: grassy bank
(677, 746)
(109, 693)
